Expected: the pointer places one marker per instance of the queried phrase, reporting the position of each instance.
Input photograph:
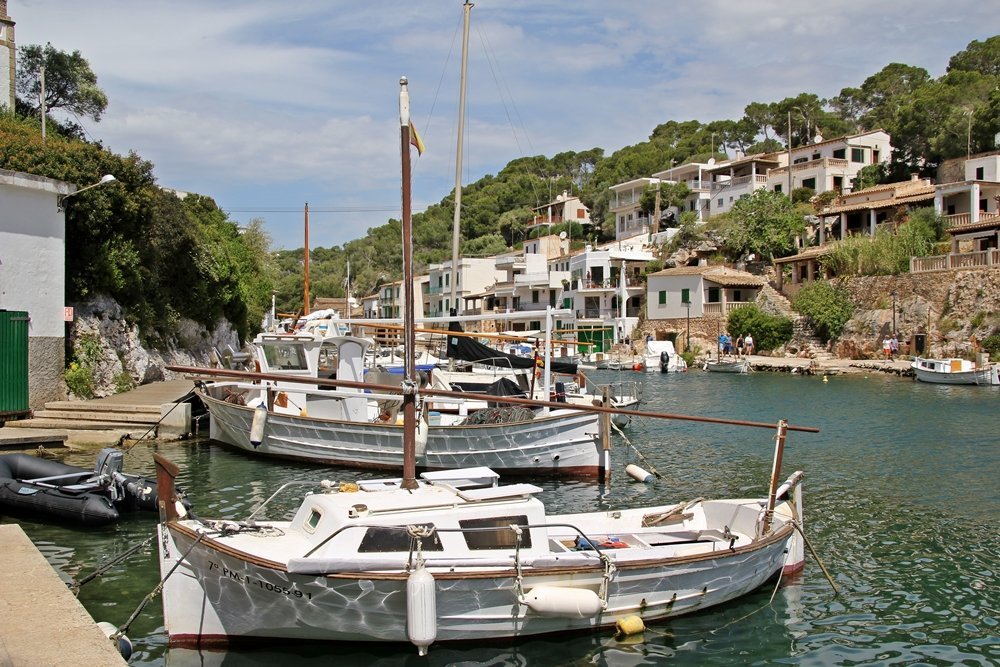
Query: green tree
(768, 331)
(982, 57)
(70, 84)
(766, 224)
(828, 307)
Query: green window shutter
(685, 295)
(663, 297)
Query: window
(840, 153)
(720, 202)
(980, 172)
(534, 296)
(285, 356)
(379, 539)
(737, 295)
(567, 303)
(495, 533)
(685, 296)
(714, 295)
(809, 183)
(777, 188)
(663, 297)
(857, 155)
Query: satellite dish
(562, 235)
(711, 160)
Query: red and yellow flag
(415, 139)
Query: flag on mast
(415, 139)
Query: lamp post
(893, 312)
(687, 344)
(107, 178)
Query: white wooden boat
(455, 557)
(955, 371)
(459, 558)
(727, 366)
(660, 355)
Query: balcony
(728, 307)
(435, 289)
(956, 260)
(959, 220)
(756, 179)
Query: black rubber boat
(35, 487)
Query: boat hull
(564, 444)
(727, 366)
(219, 596)
(941, 371)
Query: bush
(992, 346)
(768, 331)
(828, 307)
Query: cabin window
(312, 520)
(285, 356)
(380, 539)
(495, 533)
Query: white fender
(563, 601)
(420, 442)
(257, 426)
(421, 608)
(637, 473)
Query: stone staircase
(113, 420)
(803, 335)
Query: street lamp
(687, 345)
(893, 312)
(107, 178)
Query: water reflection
(901, 504)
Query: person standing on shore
(740, 342)
(748, 342)
(887, 347)
(893, 347)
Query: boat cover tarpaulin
(465, 348)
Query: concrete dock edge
(41, 622)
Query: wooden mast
(409, 335)
(305, 304)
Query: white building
(830, 165)
(735, 179)
(695, 176)
(474, 276)
(8, 60)
(971, 205)
(697, 291)
(624, 208)
(33, 275)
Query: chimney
(914, 176)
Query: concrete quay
(41, 622)
(832, 366)
(148, 411)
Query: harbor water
(901, 505)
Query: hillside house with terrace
(830, 164)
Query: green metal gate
(13, 363)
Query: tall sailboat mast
(305, 299)
(409, 336)
(456, 229)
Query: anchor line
(635, 449)
(156, 591)
(76, 585)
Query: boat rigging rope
(642, 458)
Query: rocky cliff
(111, 352)
(949, 313)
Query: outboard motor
(560, 396)
(108, 471)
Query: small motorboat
(956, 371)
(34, 487)
(729, 366)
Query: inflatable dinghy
(35, 487)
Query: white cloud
(264, 104)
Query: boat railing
(260, 508)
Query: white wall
(673, 286)
(32, 251)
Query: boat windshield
(285, 356)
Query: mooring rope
(75, 585)
(136, 441)
(642, 458)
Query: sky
(265, 106)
